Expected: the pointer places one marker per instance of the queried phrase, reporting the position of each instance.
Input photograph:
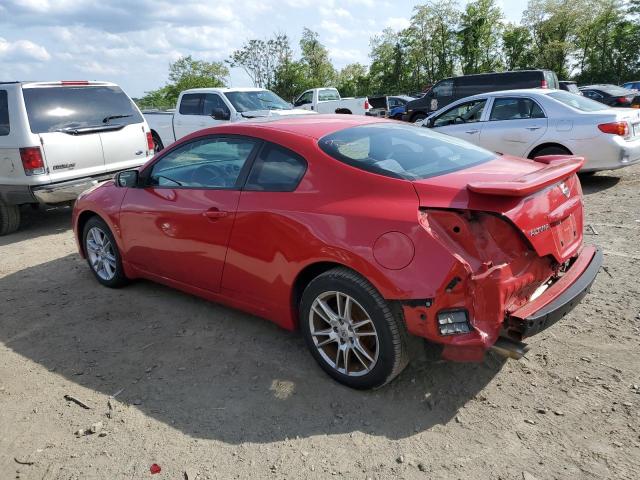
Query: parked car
(388, 106)
(536, 122)
(200, 108)
(611, 95)
(569, 86)
(451, 89)
(59, 138)
(328, 100)
(368, 229)
(635, 85)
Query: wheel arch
(542, 146)
(82, 220)
(313, 270)
(344, 111)
(154, 133)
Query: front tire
(102, 253)
(353, 333)
(9, 218)
(418, 117)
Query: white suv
(60, 138)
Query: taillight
(623, 99)
(544, 84)
(366, 104)
(150, 144)
(32, 161)
(615, 128)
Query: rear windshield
(402, 151)
(578, 101)
(52, 109)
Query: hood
(541, 198)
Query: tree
(353, 80)
(516, 47)
(479, 37)
(315, 59)
(186, 73)
(261, 59)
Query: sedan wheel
(354, 334)
(102, 253)
(343, 333)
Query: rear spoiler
(558, 168)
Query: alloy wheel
(343, 333)
(101, 253)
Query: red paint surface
(251, 257)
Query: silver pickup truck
(59, 138)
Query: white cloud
(398, 23)
(22, 50)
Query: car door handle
(533, 128)
(471, 132)
(214, 214)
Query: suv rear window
(52, 109)
(402, 151)
(4, 113)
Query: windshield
(402, 151)
(577, 101)
(256, 100)
(53, 109)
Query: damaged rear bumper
(559, 299)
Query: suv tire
(9, 218)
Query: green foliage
(185, 73)
(479, 37)
(261, 59)
(353, 81)
(315, 59)
(517, 47)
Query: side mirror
(220, 114)
(127, 179)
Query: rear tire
(418, 117)
(157, 143)
(9, 218)
(102, 253)
(353, 333)
(550, 151)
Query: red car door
(177, 225)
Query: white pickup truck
(328, 100)
(200, 108)
(59, 138)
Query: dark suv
(454, 88)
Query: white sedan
(535, 122)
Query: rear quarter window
(277, 169)
(5, 128)
(52, 109)
(402, 151)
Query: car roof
(313, 126)
(510, 93)
(224, 89)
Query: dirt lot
(220, 394)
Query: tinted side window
(4, 113)
(211, 101)
(191, 104)
(276, 169)
(305, 98)
(207, 163)
(443, 89)
(468, 112)
(515, 109)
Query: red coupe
(355, 230)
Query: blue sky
(132, 42)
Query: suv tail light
(150, 144)
(615, 128)
(544, 84)
(32, 161)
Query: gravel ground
(216, 393)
